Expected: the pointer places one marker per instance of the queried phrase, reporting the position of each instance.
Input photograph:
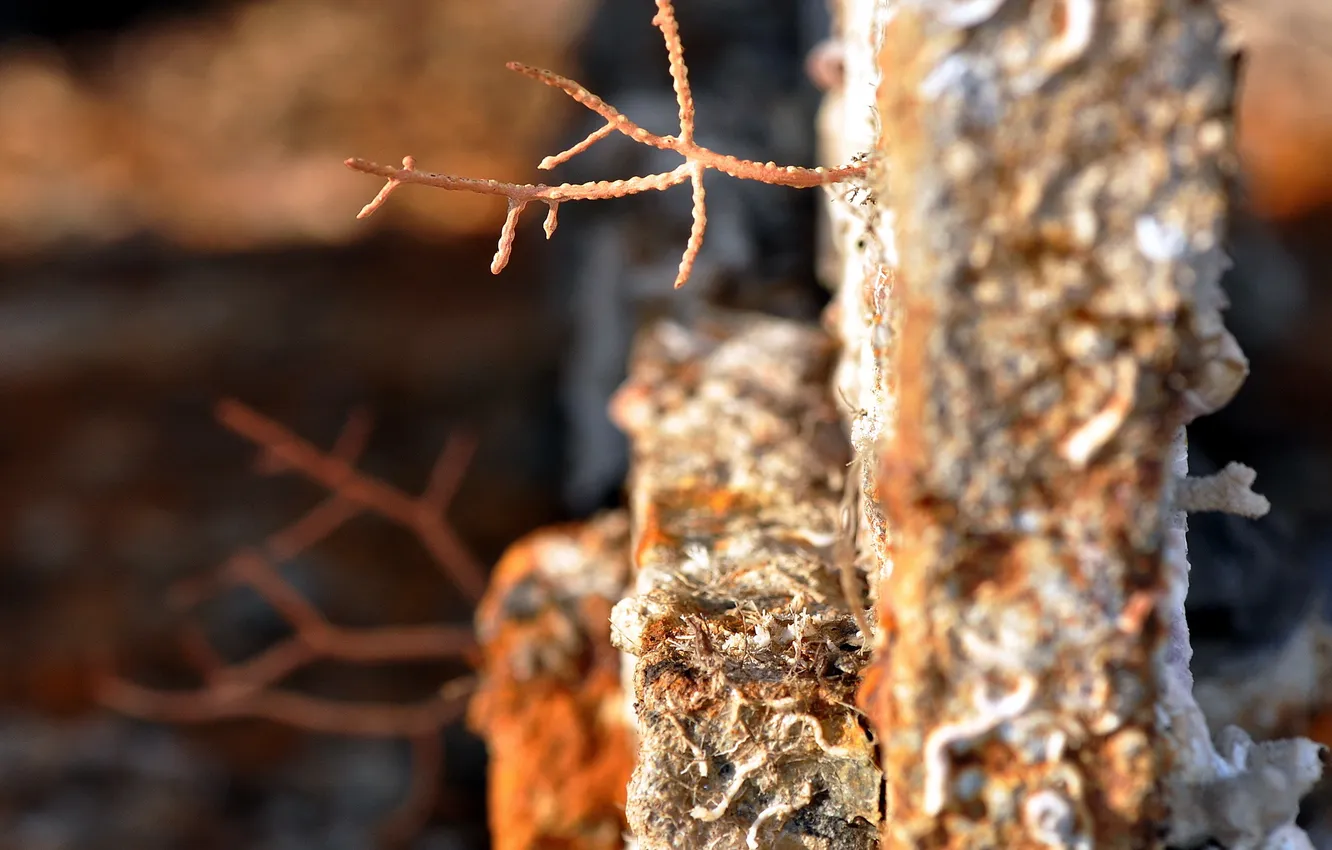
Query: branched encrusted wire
(698, 159)
(253, 687)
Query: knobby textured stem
(698, 159)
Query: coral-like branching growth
(250, 688)
(698, 159)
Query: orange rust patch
(1320, 728)
(650, 534)
(1138, 608)
(550, 706)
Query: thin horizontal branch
(237, 683)
(1228, 491)
(251, 688)
(302, 711)
(524, 192)
(746, 169)
(316, 639)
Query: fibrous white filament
(991, 714)
(742, 772)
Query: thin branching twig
(251, 688)
(698, 159)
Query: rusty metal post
(1057, 170)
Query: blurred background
(177, 227)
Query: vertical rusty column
(1056, 169)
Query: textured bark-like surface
(744, 655)
(550, 704)
(1057, 174)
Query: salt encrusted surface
(858, 261)
(1057, 173)
(745, 656)
(1240, 794)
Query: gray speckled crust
(745, 658)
